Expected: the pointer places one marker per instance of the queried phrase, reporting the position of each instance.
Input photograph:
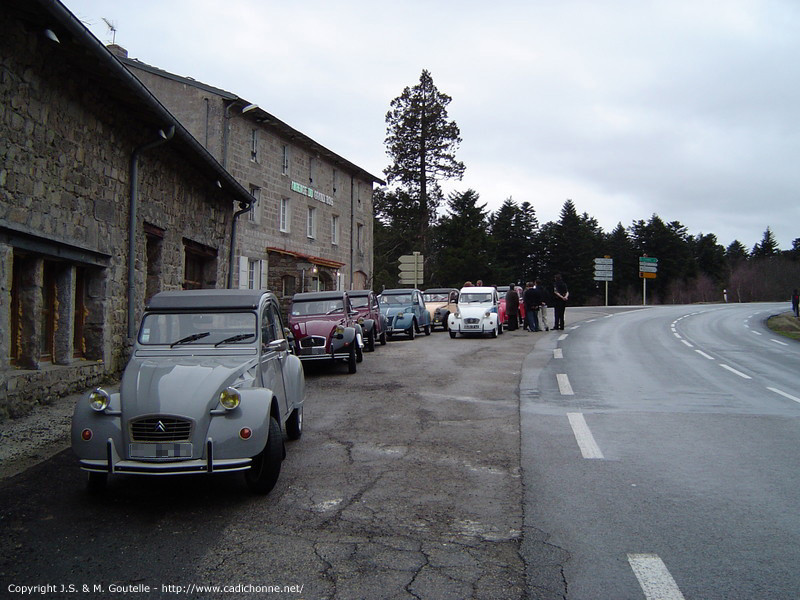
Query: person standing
(796, 303)
(512, 308)
(560, 297)
(545, 301)
(532, 300)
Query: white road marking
(584, 437)
(756, 332)
(687, 343)
(779, 342)
(653, 576)
(784, 394)
(701, 353)
(562, 337)
(735, 372)
(558, 353)
(563, 385)
(676, 334)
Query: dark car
(370, 317)
(323, 327)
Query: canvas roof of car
(397, 291)
(439, 290)
(358, 293)
(305, 296)
(211, 299)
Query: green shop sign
(312, 193)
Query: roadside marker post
(648, 267)
(604, 271)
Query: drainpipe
(243, 209)
(134, 198)
(352, 226)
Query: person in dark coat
(796, 303)
(532, 299)
(560, 297)
(512, 308)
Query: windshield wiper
(190, 338)
(235, 338)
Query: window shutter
(243, 273)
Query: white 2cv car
(476, 312)
(211, 386)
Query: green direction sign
(647, 259)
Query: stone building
(311, 228)
(91, 165)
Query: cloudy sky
(688, 109)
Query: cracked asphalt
(406, 484)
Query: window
(311, 230)
(284, 215)
(200, 266)
(312, 169)
(253, 274)
(360, 237)
(335, 181)
(288, 285)
(254, 216)
(335, 230)
(48, 314)
(285, 160)
(254, 145)
(154, 239)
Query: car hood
(394, 310)
(322, 327)
(476, 310)
(183, 385)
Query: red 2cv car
(370, 317)
(324, 328)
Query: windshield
(317, 307)
(359, 301)
(435, 297)
(475, 298)
(396, 299)
(176, 329)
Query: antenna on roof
(112, 27)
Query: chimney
(117, 50)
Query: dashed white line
(562, 337)
(779, 342)
(756, 332)
(687, 343)
(558, 353)
(701, 353)
(584, 437)
(784, 394)
(735, 372)
(653, 576)
(563, 385)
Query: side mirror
(278, 345)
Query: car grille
(312, 342)
(160, 429)
(472, 321)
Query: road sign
(648, 269)
(603, 267)
(411, 259)
(603, 261)
(411, 268)
(603, 278)
(647, 259)
(645, 275)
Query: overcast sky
(688, 109)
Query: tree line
(467, 242)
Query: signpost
(648, 267)
(604, 271)
(411, 269)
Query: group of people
(536, 300)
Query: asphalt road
(641, 453)
(660, 452)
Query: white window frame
(311, 225)
(285, 160)
(254, 216)
(284, 218)
(254, 146)
(335, 230)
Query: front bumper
(113, 463)
(399, 323)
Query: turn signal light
(245, 433)
(86, 435)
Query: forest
(461, 240)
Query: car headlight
(360, 320)
(457, 315)
(339, 330)
(487, 314)
(99, 399)
(229, 398)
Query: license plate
(472, 326)
(161, 450)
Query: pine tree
(768, 246)
(421, 143)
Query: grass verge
(785, 324)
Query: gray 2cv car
(211, 386)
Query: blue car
(405, 312)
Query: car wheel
(500, 328)
(494, 332)
(359, 353)
(96, 482)
(427, 329)
(352, 361)
(371, 340)
(411, 331)
(383, 338)
(294, 424)
(452, 334)
(265, 468)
